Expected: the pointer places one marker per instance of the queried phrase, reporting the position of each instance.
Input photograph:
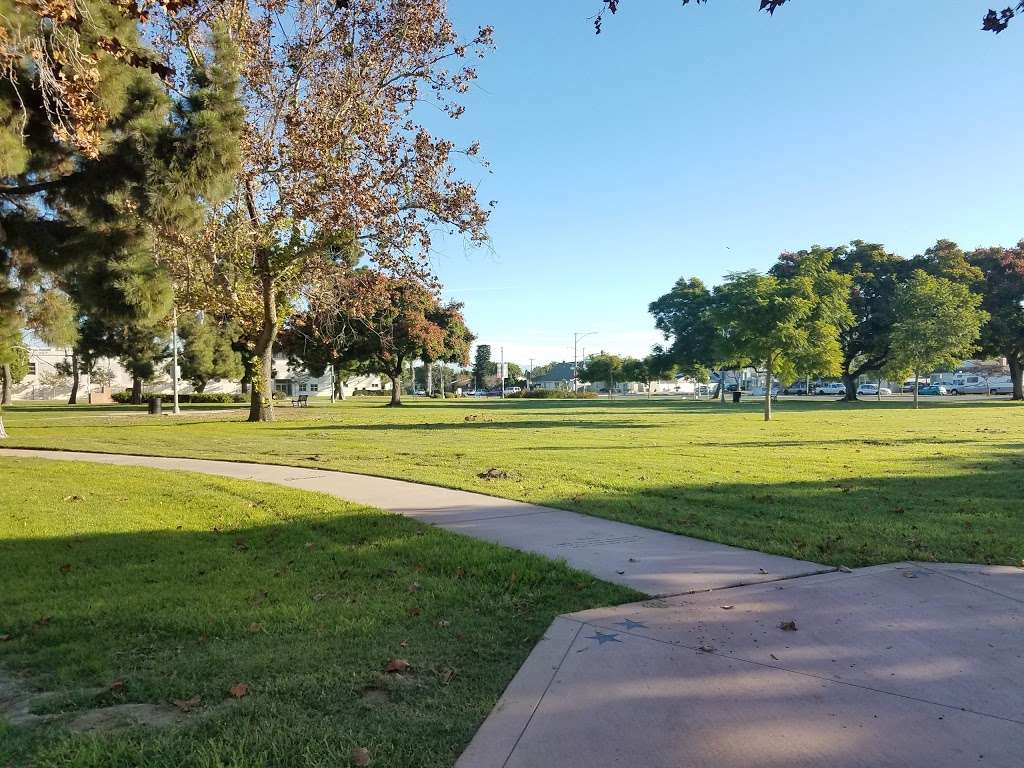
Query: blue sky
(700, 140)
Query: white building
(44, 382)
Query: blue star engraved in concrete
(603, 637)
(630, 624)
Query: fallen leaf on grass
(443, 623)
(238, 690)
(494, 474)
(74, 497)
(66, 568)
(187, 705)
(787, 626)
(414, 587)
(397, 666)
(42, 621)
(360, 757)
(256, 627)
(5, 638)
(446, 676)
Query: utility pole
(502, 373)
(174, 344)
(576, 336)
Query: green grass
(838, 483)
(183, 585)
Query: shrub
(554, 394)
(121, 397)
(367, 392)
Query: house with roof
(559, 377)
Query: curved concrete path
(652, 562)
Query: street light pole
(576, 336)
(174, 344)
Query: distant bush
(193, 397)
(371, 392)
(554, 394)
(210, 397)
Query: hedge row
(554, 394)
(194, 397)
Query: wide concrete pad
(902, 665)
(652, 562)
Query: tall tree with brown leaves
(334, 152)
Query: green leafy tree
(875, 276)
(939, 325)
(481, 365)
(783, 325)
(1002, 290)
(602, 368)
(93, 150)
(393, 321)
(685, 316)
(207, 352)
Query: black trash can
(736, 396)
(155, 405)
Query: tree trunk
(1017, 376)
(6, 377)
(3, 432)
(339, 384)
(136, 390)
(245, 384)
(850, 382)
(396, 389)
(261, 402)
(721, 385)
(76, 378)
(917, 391)
(768, 393)
(429, 369)
(200, 387)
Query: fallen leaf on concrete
(620, 572)
(187, 705)
(707, 649)
(726, 607)
(762, 571)
(844, 569)
(238, 690)
(360, 757)
(774, 656)
(787, 626)
(396, 666)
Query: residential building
(44, 383)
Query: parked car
(760, 391)
(796, 388)
(1000, 387)
(908, 386)
(830, 388)
(969, 385)
(933, 389)
(420, 391)
(873, 390)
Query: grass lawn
(838, 483)
(184, 586)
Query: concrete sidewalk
(652, 562)
(907, 665)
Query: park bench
(300, 402)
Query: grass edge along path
(842, 484)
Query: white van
(830, 388)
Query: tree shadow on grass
(308, 613)
(971, 512)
